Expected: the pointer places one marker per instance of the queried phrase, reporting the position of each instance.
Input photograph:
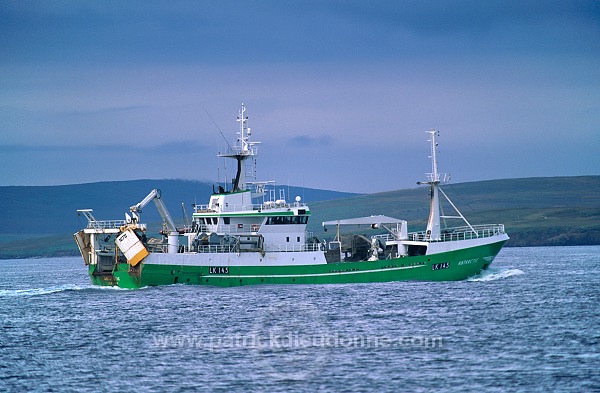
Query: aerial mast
(434, 179)
(433, 223)
(242, 150)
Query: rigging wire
(216, 125)
(228, 144)
(463, 199)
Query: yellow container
(131, 246)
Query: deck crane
(172, 233)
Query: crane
(173, 234)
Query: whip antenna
(216, 125)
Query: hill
(39, 221)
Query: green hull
(447, 266)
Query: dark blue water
(531, 323)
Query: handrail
(248, 207)
(460, 233)
(451, 234)
(230, 248)
(106, 224)
(308, 247)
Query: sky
(339, 93)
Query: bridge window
(287, 220)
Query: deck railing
(231, 248)
(106, 224)
(225, 228)
(248, 207)
(453, 234)
(293, 247)
(229, 229)
(460, 233)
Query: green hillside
(39, 221)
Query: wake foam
(493, 274)
(41, 291)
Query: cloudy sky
(338, 92)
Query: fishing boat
(247, 235)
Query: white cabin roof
(372, 220)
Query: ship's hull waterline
(446, 266)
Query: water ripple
(529, 323)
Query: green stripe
(257, 214)
(315, 274)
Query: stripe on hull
(315, 274)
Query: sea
(529, 323)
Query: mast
(242, 151)
(433, 223)
(434, 179)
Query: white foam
(111, 288)
(40, 291)
(493, 274)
